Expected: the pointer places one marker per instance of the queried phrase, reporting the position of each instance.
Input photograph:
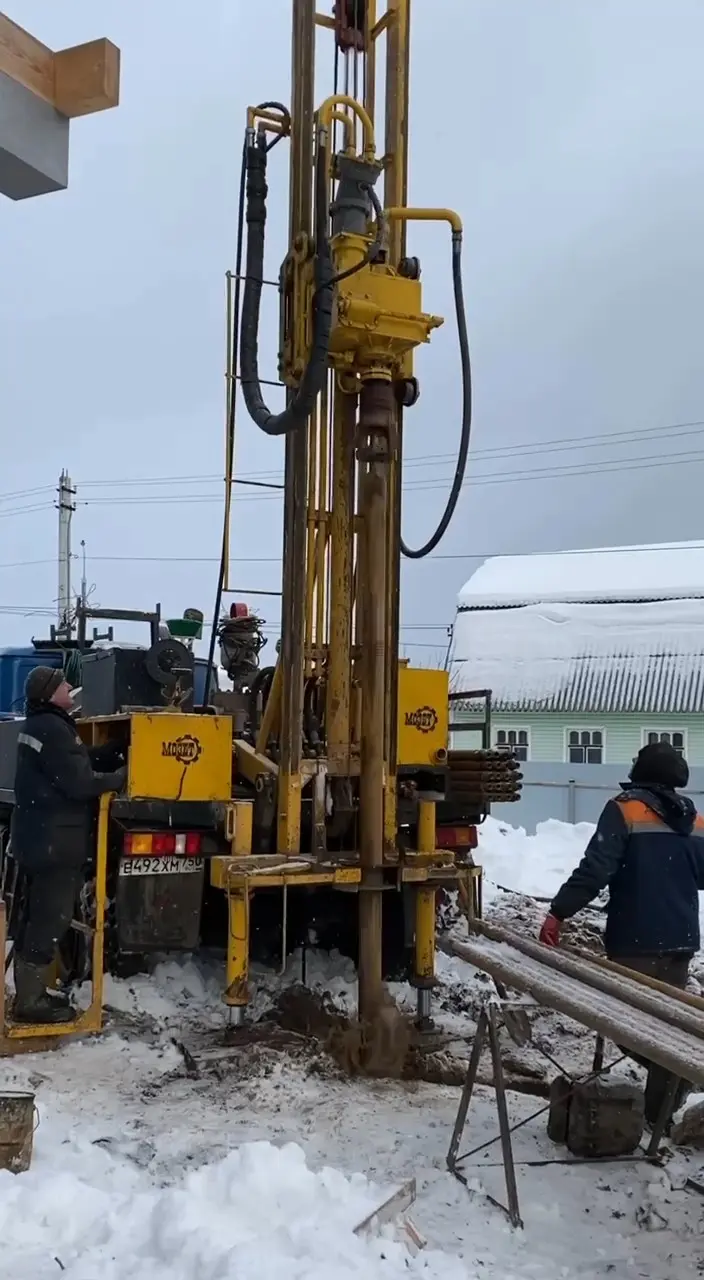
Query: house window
(677, 738)
(514, 740)
(585, 746)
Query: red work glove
(550, 932)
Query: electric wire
(562, 444)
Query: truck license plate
(165, 864)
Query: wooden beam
(76, 81)
(87, 78)
(26, 59)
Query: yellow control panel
(423, 716)
(177, 756)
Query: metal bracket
(487, 1026)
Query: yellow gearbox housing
(378, 318)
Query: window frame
(497, 746)
(665, 729)
(580, 729)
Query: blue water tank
(15, 666)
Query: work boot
(59, 996)
(32, 1000)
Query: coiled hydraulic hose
(431, 544)
(301, 404)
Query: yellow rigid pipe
(425, 935)
(271, 711)
(275, 122)
(337, 707)
(230, 391)
(101, 873)
(348, 123)
(322, 507)
(399, 214)
(310, 545)
(236, 994)
(426, 826)
(325, 117)
(241, 843)
(370, 88)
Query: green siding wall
(623, 733)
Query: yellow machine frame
(22, 1037)
(341, 570)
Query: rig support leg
(426, 826)
(236, 994)
(424, 977)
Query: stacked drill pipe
(660, 1025)
(481, 777)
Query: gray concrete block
(33, 143)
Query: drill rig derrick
(332, 736)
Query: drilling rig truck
(321, 791)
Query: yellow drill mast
(351, 318)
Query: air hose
(302, 402)
(431, 544)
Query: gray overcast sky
(566, 132)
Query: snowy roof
(662, 571)
(636, 657)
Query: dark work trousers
(49, 902)
(673, 969)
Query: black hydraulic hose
(431, 544)
(301, 404)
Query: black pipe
(431, 544)
(302, 403)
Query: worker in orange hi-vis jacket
(648, 848)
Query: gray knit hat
(42, 682)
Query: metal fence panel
(573, 793)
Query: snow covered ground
(156, 1156)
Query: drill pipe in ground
(376, 407)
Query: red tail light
(456, 837)
(138, 843)
(164, 842)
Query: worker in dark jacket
(649, 849)
(55, 791)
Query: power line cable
(497, 452)
(566, 472)
(458, 555)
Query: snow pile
(259, 1212)
(535, 865)
(173, 987)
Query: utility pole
(84, 579)
(66, 506)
